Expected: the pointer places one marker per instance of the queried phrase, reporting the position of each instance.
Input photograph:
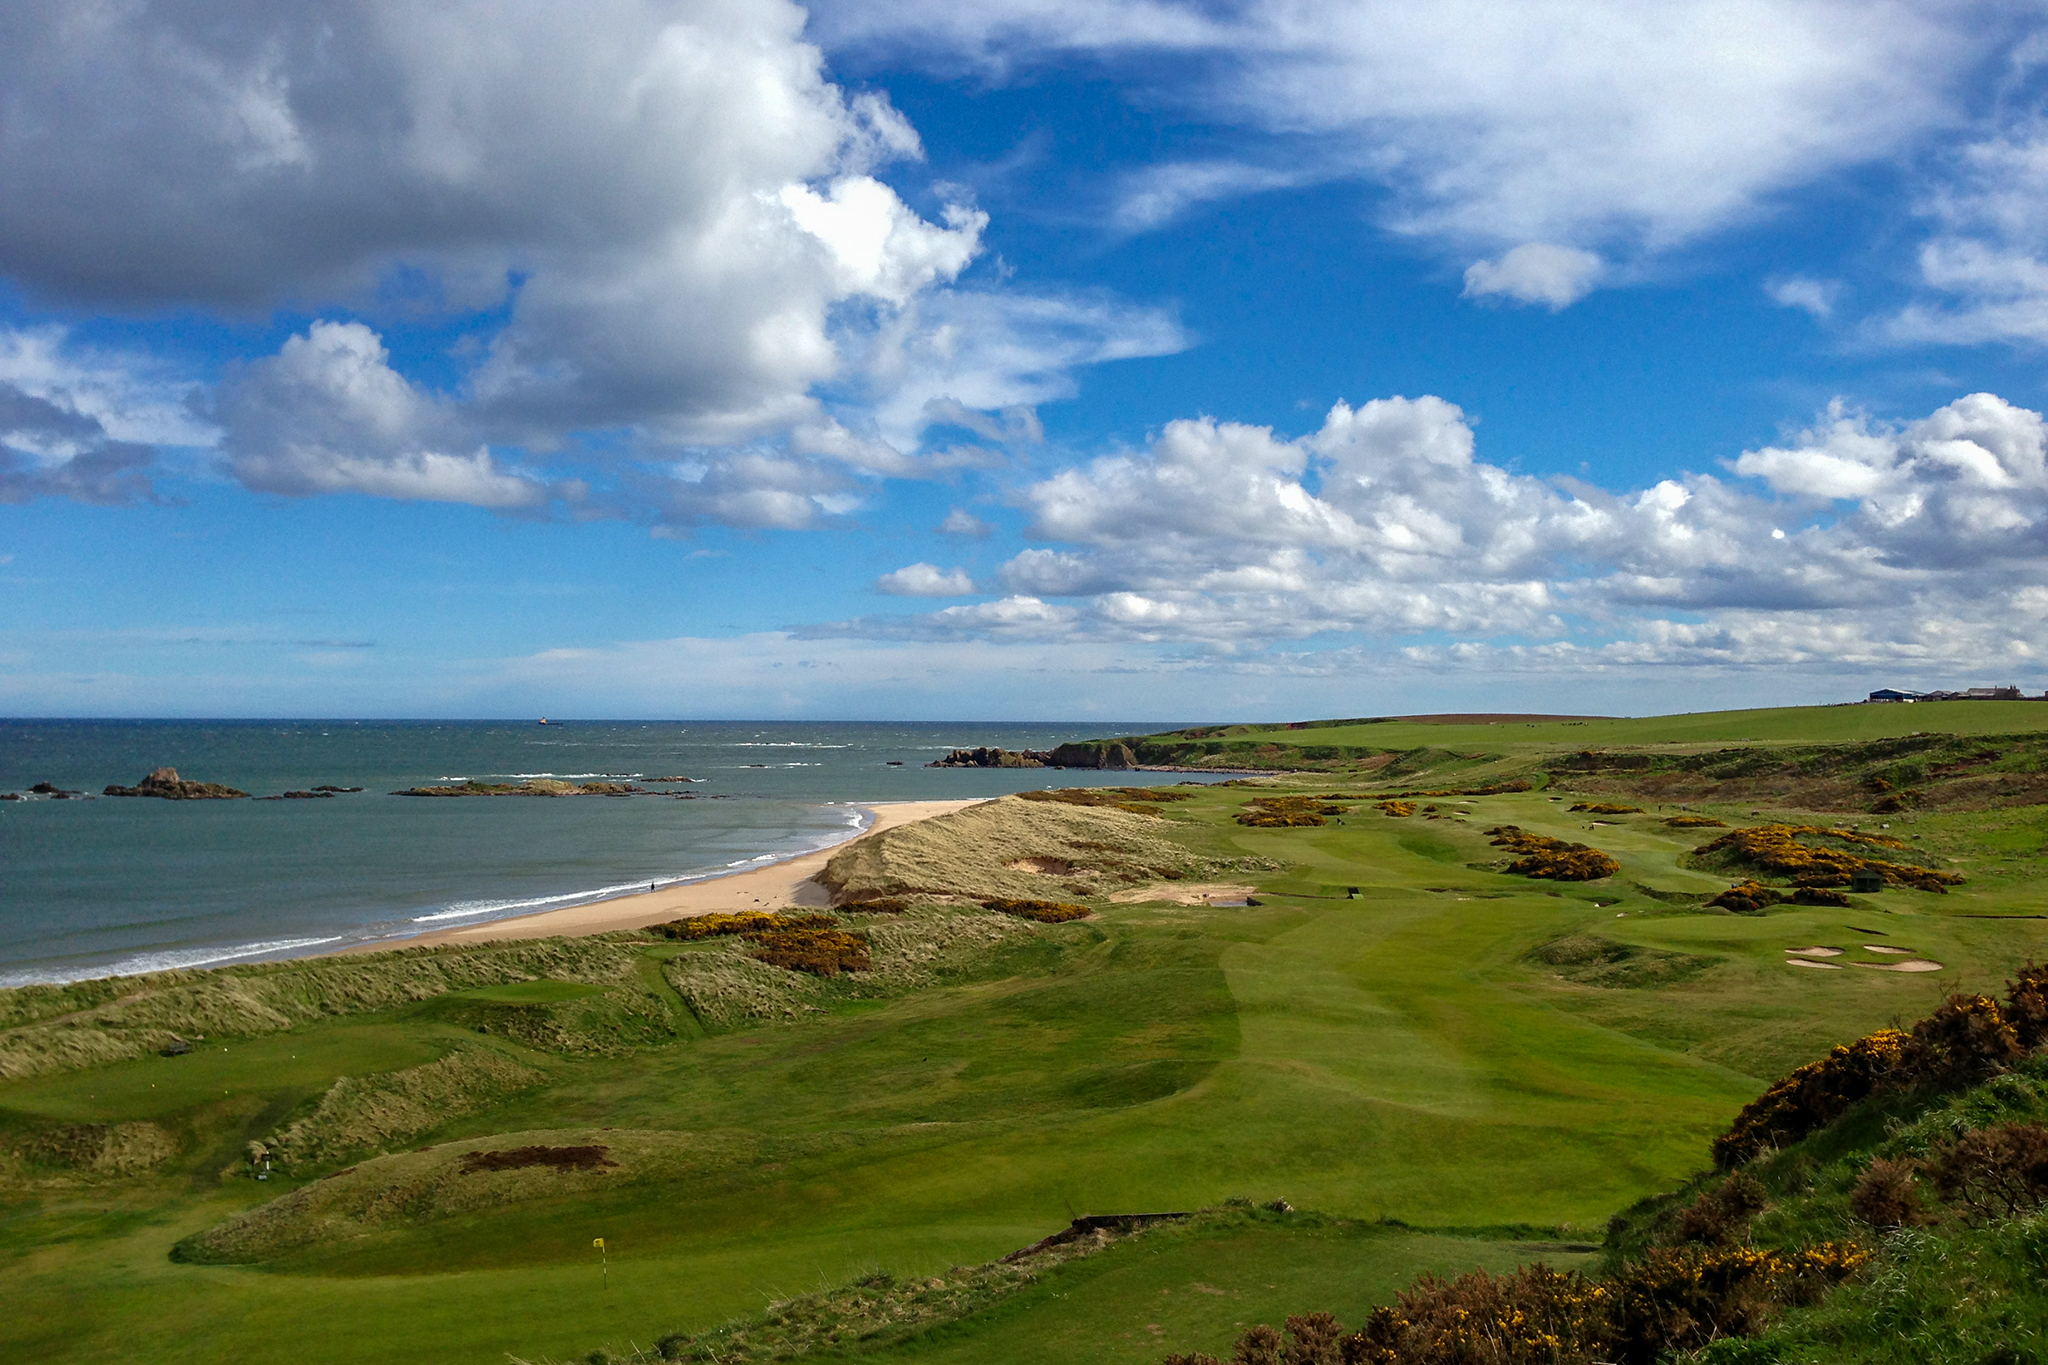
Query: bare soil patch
(518, 1158)
(1185, 893)
(1044, 867)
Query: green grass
(1395, 1056)
(1777, 725)
(530, 992)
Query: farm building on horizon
(2009, 692)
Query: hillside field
(1436, 1063)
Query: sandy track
(771, 887)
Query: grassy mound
(1590, 960)
(970, 854)
(357, 1116)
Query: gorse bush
(1778, 851)
(1671, 1300)
(1751, 896)
(800, 943)
(1811, 1097)
(1283, 812)
(1400, 810)
(1695, 822)
(1961, 1043)
(1967, 1039)
(819, 951)
(1606, 808)
(740, 923)
(1045, 912)
(1677, 1300)
(2026, 1006)
(1747, 898)
(1551, 859)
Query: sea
(95, 886)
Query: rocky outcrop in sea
(166, 783)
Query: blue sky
(1030, 359)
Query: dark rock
(177, 1047)
(1094, 753)
(992, 758)
(307, 796)
(328, 790)
(44, 789)
(10, 796)
(166, 783)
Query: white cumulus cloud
(1535, 272)
(659, 222)
(925, 580)
(1922, 541)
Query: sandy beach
(773, 886)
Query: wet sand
(770, 887)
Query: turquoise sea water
(113, 885)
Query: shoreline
(787, 882)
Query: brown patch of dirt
(1184, 893)
(518, 1158)
(1044, 867)
(1809, 962)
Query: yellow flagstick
(604, 1263)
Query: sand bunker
(1881, 948)
(1918, 964)
(1809, 962)
(1186, 893)
(1815, 952)
(1044, 867)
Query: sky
(1033, 359)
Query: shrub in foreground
(1887, 1195)
(1967, 1039)
(1995, 1172)
(1811, 1096)
(1671, 1300)
(1606, 808)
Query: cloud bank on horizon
(1032, 303)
